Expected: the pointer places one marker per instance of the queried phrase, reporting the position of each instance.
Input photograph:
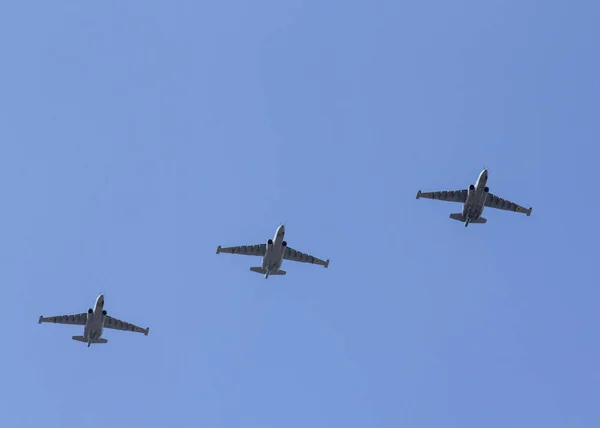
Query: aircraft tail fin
(82, 339)
(279, 272)
(480, 220)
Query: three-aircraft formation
(474, 199)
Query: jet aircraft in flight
(273, 253)
(94, 321)
(474, 199)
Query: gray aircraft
(273, 253)
(94, 321)
(474, 199)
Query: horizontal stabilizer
(82, 339)
(461, 218)
(259, 269)
(457, 216)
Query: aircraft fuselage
(476, 196)
(94, 324)
(273, 257)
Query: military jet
(273, 253)
(94, 321)
(474, 199)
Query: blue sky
(135, 137)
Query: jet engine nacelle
(104, 312)
(284, 244)
(486, 192)
(269, 242)
(470, 192)
(90, 311)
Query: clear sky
(137, 136)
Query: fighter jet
(273, 253)
(94, 321)
(474, 199)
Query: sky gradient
(136, 137)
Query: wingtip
(218, 249)
(418, 194)
(40, 320)
(147, 331)
(529, 211)
(327, 263)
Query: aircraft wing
(445, 195)
(247, 250)
(116, 324)
(75, 319)
(297, 256)
(494, 201)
